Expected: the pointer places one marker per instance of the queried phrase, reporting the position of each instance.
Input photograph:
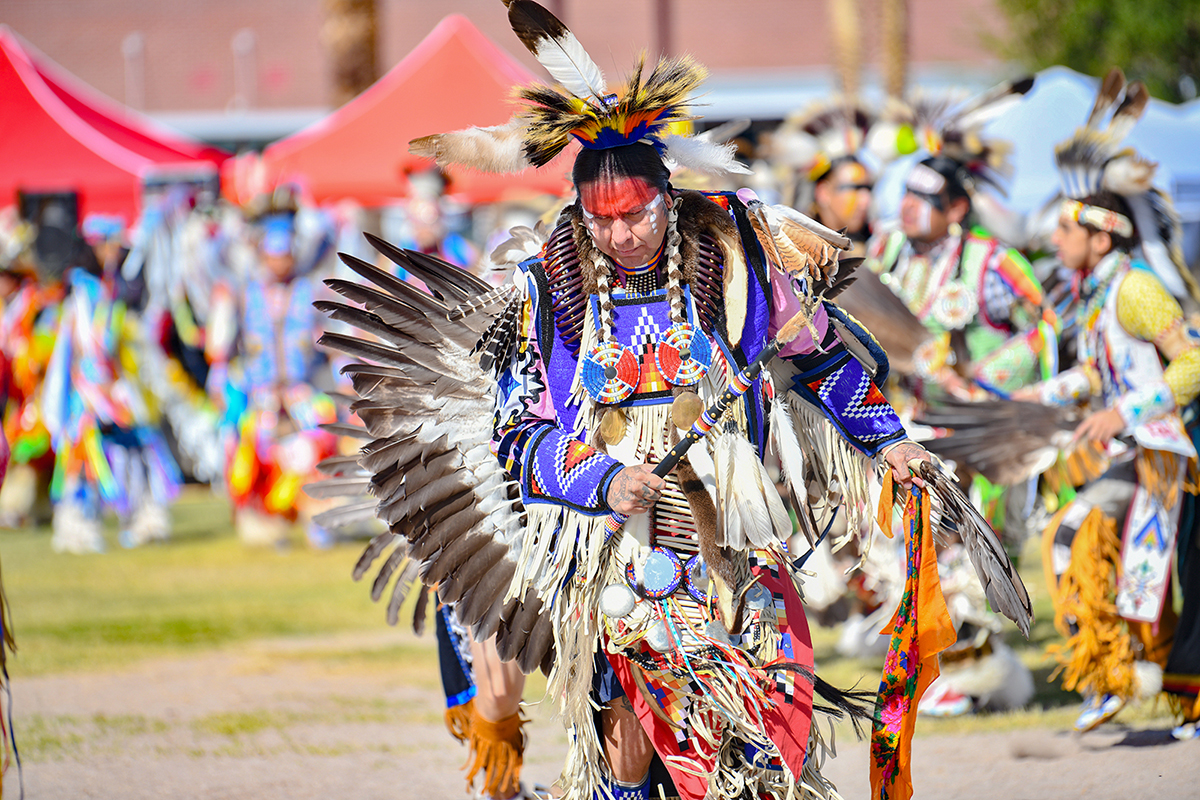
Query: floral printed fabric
(920, 630)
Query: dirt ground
(273, 722)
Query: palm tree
(349, 34)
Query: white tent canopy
(1057, 105)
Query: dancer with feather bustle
(275, 405)
(1110, 552)
(109, 451)
(820, 150)
(516, 429)
(30, 306)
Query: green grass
(261, 731)
(202, 590)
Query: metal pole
(662, 22)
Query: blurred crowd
(182, 347)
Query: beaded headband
(1101, 218)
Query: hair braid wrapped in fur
(604, 294)
(674, 266)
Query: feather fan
(956, 515)
(797, 245)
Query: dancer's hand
(1028, 394)
(1100, 427)
(897, 458)
(634, 490)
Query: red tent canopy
(128, 129)
(52, 139)
(455, 78)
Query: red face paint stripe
(615, 198)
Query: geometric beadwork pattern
(862, 410)
(562, 469)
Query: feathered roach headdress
(804, 149)
(816, 138)
(581, 107)
(951, 126)
(1093, 161)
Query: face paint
(847, 205)
(653, 211)
(615, 198)
(846, 201)
(925, 180)
(631, 238)
(924, 215)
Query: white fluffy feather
(882, 141)
(523, 243)
(794, 149)
(498, 148)
(729, 523)
(976, 119)
(1005, 224)
(703, 156)
(1148, 679)
(1155, 251)
(787, 447)
(1129, 174)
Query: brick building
(190, 60)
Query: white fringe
(838, 468)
